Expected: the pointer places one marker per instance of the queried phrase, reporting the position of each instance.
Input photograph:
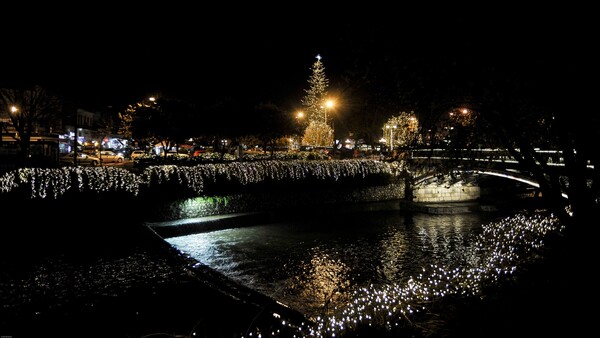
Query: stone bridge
(441, 176)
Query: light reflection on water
(314, 264)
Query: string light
(55, 182)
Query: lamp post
(4, 125)
(16, 121)
(329, 104)
(299, 118)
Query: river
(315, 263)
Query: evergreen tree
(316, 93)
(318, 133)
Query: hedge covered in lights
(199, 180)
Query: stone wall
(274, 200)
(446, 193)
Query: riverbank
(130, 285)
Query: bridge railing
(553, 157)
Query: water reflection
(322, 283)
(315, 264)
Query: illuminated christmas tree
(401, 130)
(318, 133)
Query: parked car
(137, 153)
(107, 156)
(126, 152)
(175, 154)
(199, 150)
(82, 159)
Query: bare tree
(31, 110)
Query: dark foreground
(118, 279)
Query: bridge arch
(511, 175)
(492, 172)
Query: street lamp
(149, 102)
(15, 120)
(329, 104)
(299, 120)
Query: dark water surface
(313, 264)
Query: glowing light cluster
(500, 248)
(55, 182)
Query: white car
(82, 159)
(137, 153)
(107, 156)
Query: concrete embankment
(185, 226)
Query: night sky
(97, 58)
